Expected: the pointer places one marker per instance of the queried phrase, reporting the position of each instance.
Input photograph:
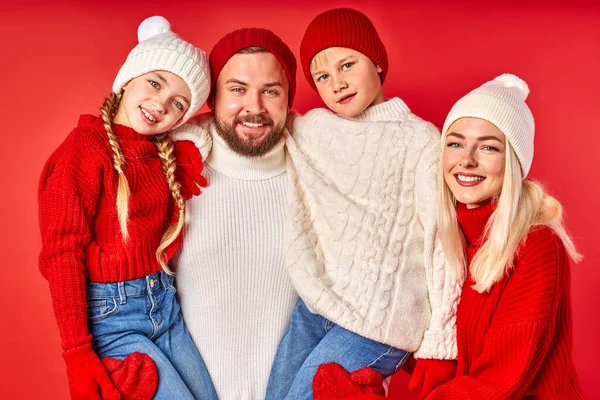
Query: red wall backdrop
(59, 59)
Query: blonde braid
(165, 147)
(108, 109)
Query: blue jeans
(313, 340)
(143, 315)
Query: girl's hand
(429, 374)
(88, 379)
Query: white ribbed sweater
(362, 249)
(235, 294)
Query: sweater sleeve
(522, 327)
(196, 130)
(68, 191)
(439, 340)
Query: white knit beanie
(502, 103)
(159, 49)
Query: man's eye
(271, 92)
(237, 90)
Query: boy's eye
(321, 78)
(347, 66)
(154, 84)
(178, 104)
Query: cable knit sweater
(235, 294)
(515, 341)
(362, 249)
(81, 236)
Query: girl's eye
(490, 148)
(178, 104)
(347, 66)
(154, 84)
(322, 77)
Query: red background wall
(59, 60)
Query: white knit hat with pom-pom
(502, 103)
(160, 49)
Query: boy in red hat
(361, 248)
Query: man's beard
(228, 133)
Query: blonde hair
(164, 146)
(522, 204)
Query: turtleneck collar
(224, 160)
(472, 221)
(389, 110)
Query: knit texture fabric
(235, 295)
(516, 340)
(342, 27)
(240, 39)
(160, 49)
(362, 249)
(81, 238)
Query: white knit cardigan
(361, 245)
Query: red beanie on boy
(342, 27)
(251, 37)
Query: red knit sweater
(515, 341)
(81, 236)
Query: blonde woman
(503, 235)
(104, 201)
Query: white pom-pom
(153, 26)
(510, 80)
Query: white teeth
(147, 114)
(463, 178)
(251, 125)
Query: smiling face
(473, 160)
(251, 103)
(153, 103)
(347, 80)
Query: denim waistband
(134, 287)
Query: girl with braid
(110, 222)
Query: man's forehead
(257, 66)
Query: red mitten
(332, 381)
(189, 168)
(88, 379)
(135, 377)
(429, 374)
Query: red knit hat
(250, 37)
(342, 27)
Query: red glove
(332, 381)
(135, 377)
(88, 379)
(429, 374)
(189, 168)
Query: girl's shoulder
(86, 144)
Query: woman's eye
(154, 84)
(490, 148)
(453, 145)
